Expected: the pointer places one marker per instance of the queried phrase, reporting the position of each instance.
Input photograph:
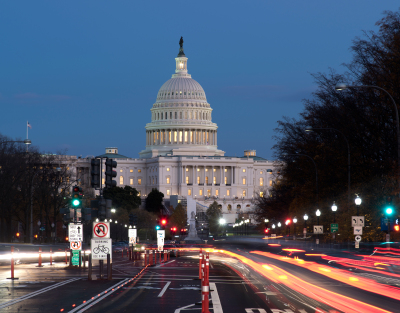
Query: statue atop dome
(181, 53)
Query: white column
(212, 176)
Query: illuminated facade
(182, 158)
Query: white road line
(185, 307)
(215, 299)
(164, 289)
(85, 306)
(32, 294)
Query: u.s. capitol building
(181, 157)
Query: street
(245, 276)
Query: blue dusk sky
(85, 74)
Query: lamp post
(358, 203)
(222, 222)
(279, 224)
(318, 213)
(305, 217)
(316, 171)
(311, 129)
(342, 86)
(294, 225)
(334, 209)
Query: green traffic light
(76, 202)
(389, 211)
(158, 227)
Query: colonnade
(181, 136)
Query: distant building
(181, 157)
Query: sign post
(101, 230)
(75, 232)
(160, 239)
(100, 248)
(334, 228)
(132, 234)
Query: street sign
(132, 234)
(318, 229)
(357, 221)
(358, 230)
(75, 258)
(304, 230)
(160, 239)
(358, 238)
(100, 248)
(75, 232)
(273, 235)
(160, 248)
(101, 230)
(357, 245)
(334, 228)
(76, 245)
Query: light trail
(339, 275)
(328, 297)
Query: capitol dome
(181, 117)
(181, 88)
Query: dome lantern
(181, 62)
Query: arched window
(261, 181)
(121, 180)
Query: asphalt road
(247, 276)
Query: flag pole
(27, 146)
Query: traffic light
(95, 173)
(110, 173)
(163, 223)
(388, 207)
(158, 227)
(131, 219)
(76, 197)
(266, 231)
(173, 231)
(396, 227)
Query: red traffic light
(163, 222)
(396, 227)
(266, 230)
(173, 229)
(76, 189)
(288, 222)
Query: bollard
(12, 264)
(150, 257)
(66, 260)
(80, 261)
(70, 257)
(101, 268)
(203, 262)
(145, 258)
(160, 256)
(84, 257)
(204, 296)
(165, 256)
(51, 256)
(109, 267)
(129, 255)
(90, 268)
(40, 258)
(200, 261)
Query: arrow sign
(358, 230)
(79, 230)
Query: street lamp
(305, 217)
(113, 210)
(358, 203)
(316, 171)
(311, 129)
(334, 209)
(318, 213)
(342, 86)
(294, 225)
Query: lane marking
(215, 299)
(37, 292)
(185, 307)
(109, 291)
(164, 289)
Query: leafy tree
(126, 198)
(154, 201)
(365, 117)
(213, 214)
(179, 217)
